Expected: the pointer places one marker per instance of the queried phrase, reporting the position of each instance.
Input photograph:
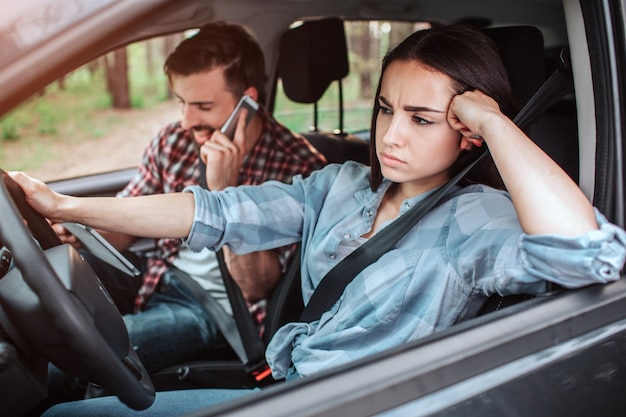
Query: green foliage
(8, 130)
(148, 82)
(299, 117)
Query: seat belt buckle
(261, 372)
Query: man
(208, 73)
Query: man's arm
(120, 241)
(256, 273)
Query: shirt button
(347, 236)
(333, 256)
(369, 213)
(407, 205)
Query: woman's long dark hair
(472, 60)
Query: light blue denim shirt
(467, 248)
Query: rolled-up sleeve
(203, 233)
(246, 218)
(595, 257)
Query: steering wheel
(57, 308)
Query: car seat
(312, 56)
(524, 56)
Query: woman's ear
(468, 143)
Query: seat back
(523, 54)
(522, 51)
(312, 56)
(528, 64)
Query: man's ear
(253, 93)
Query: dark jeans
(173, 328)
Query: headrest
(523, 55)
(312, 56)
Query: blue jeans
(174, 328)
(166, 404)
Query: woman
(443, 93)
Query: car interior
(522, 48)
(84, 333)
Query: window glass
(91, 120)
(72, 127)
(368, 42)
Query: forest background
(101, 116)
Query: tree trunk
(359, 43)
(117, 78)
(169, 44)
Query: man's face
(206, 102)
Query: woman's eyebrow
(421, 109)
(410, 108)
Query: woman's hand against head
(38, 195)
(470, 113)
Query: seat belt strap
(335, 281)
(245, 323)
(247, 344)
(225, 322)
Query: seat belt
(239, 330)
(224, 320)
(335, 281)
(245, 324)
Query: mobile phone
(246, 102)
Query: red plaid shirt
(170, 163)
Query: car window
(73, 128)
(91, 121)
(367, 43)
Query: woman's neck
(404, 191)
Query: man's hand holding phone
(224, 153)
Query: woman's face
(414, 142)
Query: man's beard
(204, 129)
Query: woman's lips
(390, 160)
